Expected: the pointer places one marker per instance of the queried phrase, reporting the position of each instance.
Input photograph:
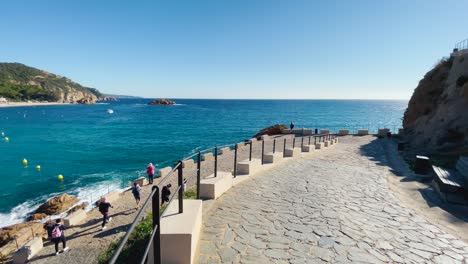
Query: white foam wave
(88, 194)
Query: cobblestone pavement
(332, 206)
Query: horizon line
(342, 99)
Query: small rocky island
(162, 102)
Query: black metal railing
(461, 45)
(154, 197)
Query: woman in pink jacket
(150, 172)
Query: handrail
(132, 227)
(157, 215)
(461, 45)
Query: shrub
(462, 80)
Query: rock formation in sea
(162, 102)
(57, 204)
(271, 130)
(19, 82)
(436, 120)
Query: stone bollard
(141, 181)
(382, 132)
(208, 156)
(343, 132)
(29, 250)
(188, 163)
(248, 167)
(224, 151)
(271, 157)
(212, 187)
(164, 171)
(363, 132)
(292, 152)
(319, 145)
(75, 218)
(308, 148)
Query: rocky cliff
(19, 82)
(436, 121)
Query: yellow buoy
(38, 167)
(25, 162)
(60, 177)
(7, 139)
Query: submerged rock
(271, 130)
(57, 205)
(162, 102)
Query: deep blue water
(95, 150)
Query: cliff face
(436, 121)
(20, 82)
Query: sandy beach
(15, 104)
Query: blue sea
(96, 151)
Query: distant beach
(14, 104)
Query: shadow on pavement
(384, 153)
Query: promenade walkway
(331, 206)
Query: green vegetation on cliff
(19, 82)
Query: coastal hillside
(436, 121)
(19, 82)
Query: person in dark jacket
(57, 236)
(136, 189)
(165, 193)
(104, 206)
(291, 126)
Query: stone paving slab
(333, 207)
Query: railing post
(156, 224)
(198, 174)
(250, 151)
(302, 141)
(181, 189)
(235, 161)
(294, 141)
(315, 140)
(263, 149)
(284, 147)
(309, 140)
(274, 145)
(216, 162)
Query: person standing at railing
(165, 194)
(104, 206)
(291, 126)
(136, 194)
(150, 172)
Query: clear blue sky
(235, 48)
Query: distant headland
(21, 83)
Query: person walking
(104, 206)
(165, 193)
(136, 194)
(150, 172)
(291, 126)
(57, 236)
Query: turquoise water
(96, 151)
